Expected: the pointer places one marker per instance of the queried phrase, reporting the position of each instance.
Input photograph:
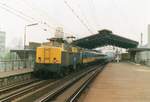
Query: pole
(141, 39)
(25, 28)
(25, 37)
(24, 66)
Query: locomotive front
(48, 61)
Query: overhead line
(91, 3)
(78, 17)
(39, 13)
(20, 14)
(84, 17)
(17, 13)
(8, 10)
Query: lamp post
(25, 28)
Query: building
(2, 41)
(142, 54)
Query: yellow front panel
(55, 57)
(40, 55)
(48, 55)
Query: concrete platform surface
(15, 72)
(121, 82)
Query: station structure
(104, 38)
(21, 65)
(118, 82)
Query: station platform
(15, 72)
(120, 82)
(14, 76)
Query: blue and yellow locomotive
(57, 58)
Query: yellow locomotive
(57, 58)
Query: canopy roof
(105, 37)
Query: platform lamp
(25, 28)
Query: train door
(46, 55)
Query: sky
(126, 18)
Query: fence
(9, 65)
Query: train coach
(59, 59)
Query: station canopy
(103, 38)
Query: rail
(79, 91)
(60, 89)
(47, 91)
(16, 92)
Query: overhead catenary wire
(26, 17)
(85, 17)
(14, 13)
(93, 12)
(78, 17)
(43, 12)
(39, 13)
(18, 12)
(45, 22)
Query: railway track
(15, 92)
(70, 91)
(82, 84)
(17, 85)
(52, 90)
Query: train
(58, 58)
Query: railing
(9, 65)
